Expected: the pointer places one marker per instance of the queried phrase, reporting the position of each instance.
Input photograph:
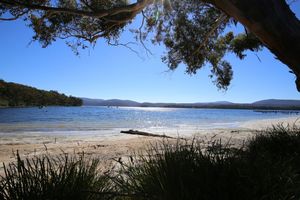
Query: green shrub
(273, 158)
(266, 168)
(182, 171)
(61, 177)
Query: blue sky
(115, 72)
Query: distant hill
(110, 102)
(264, 104)
(129, 103)
(278, 102)
(17, 95)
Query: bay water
(108, 121)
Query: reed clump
(58, 177)
(266, 167)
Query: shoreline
(121, 145)
(268, 123)
(276, 108)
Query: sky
(106, 72)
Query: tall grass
(46, 177)
(273, 159)
(182, 171)
(266, 168)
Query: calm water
(100, 120)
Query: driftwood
(136, 132)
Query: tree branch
(141, 37)
(15, 17)
(135, 7)
(223, 17)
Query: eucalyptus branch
(223, 17)
(84, 2)
(135, 7)
(141, 36)
(126, 45)
(15, 17)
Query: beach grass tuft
(59, 177)
(267, 167)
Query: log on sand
(136, 132)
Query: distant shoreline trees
(17, 95)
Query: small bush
(279, 142)
(62, 177)
(183, 171)
(267, 168)
(273, 158)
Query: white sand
(268, 123)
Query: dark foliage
(268, 168)
(78, 30)
(12, 94)
(60, 178)
(196, 34)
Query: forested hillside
(15, 95)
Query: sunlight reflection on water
(150, 109)
(103, 120)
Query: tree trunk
(273, 23)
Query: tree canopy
(194, 32)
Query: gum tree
(194, 32)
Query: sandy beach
(109, 148)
